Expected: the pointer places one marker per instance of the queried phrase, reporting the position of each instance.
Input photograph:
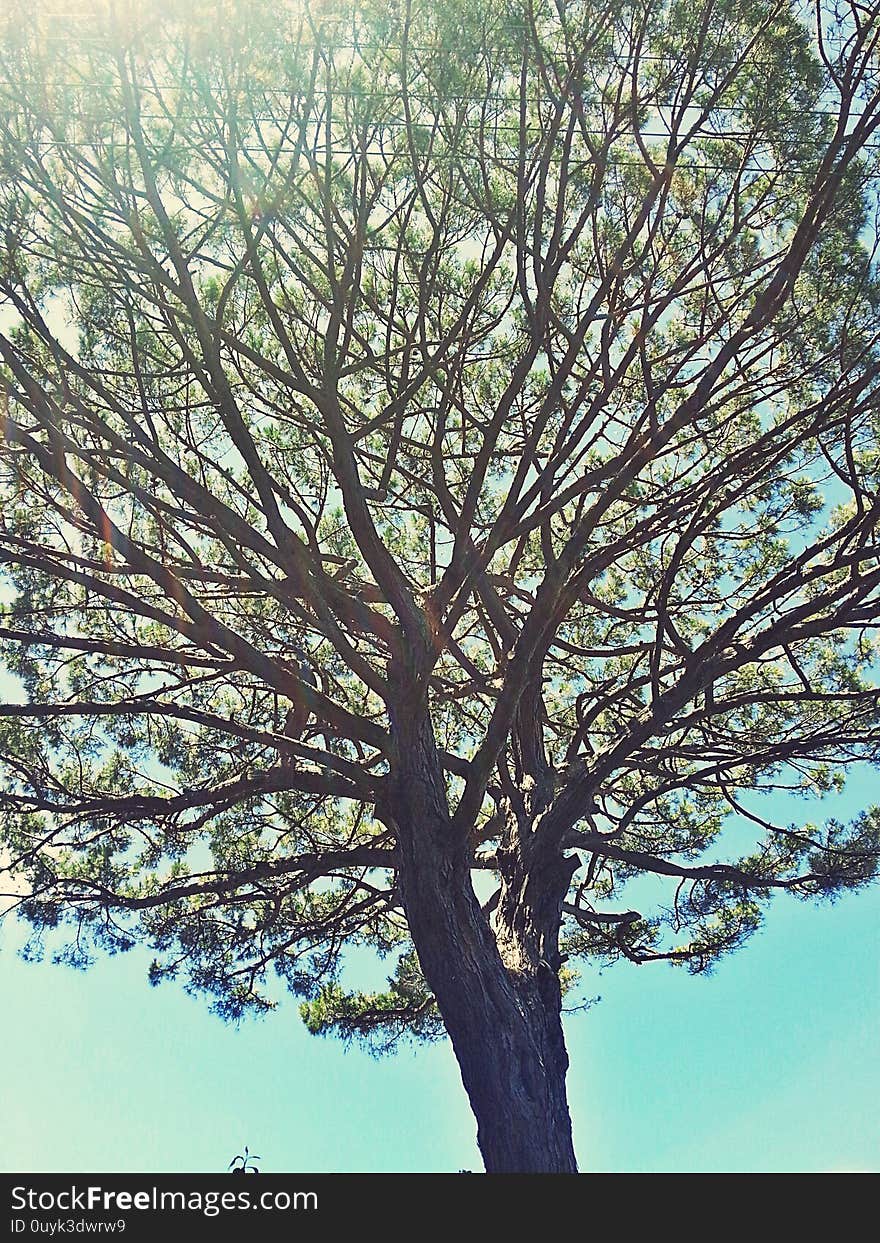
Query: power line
(531, 132)
(489, 153)
(290, 92)
(491, 159)
(626, 61)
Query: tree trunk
(506, 1031)
(505, 1025)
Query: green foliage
(540, 335)
(377, 1020)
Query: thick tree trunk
(506, 1031)
(505, 1025)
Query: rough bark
(502, 1013)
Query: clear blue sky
(770, 1064)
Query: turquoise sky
(770, 1064)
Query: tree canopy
(472, 399)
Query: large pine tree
(440, 493)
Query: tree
(440, 496)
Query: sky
(770, 1064)
(767, 1065)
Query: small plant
(243, 1163)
